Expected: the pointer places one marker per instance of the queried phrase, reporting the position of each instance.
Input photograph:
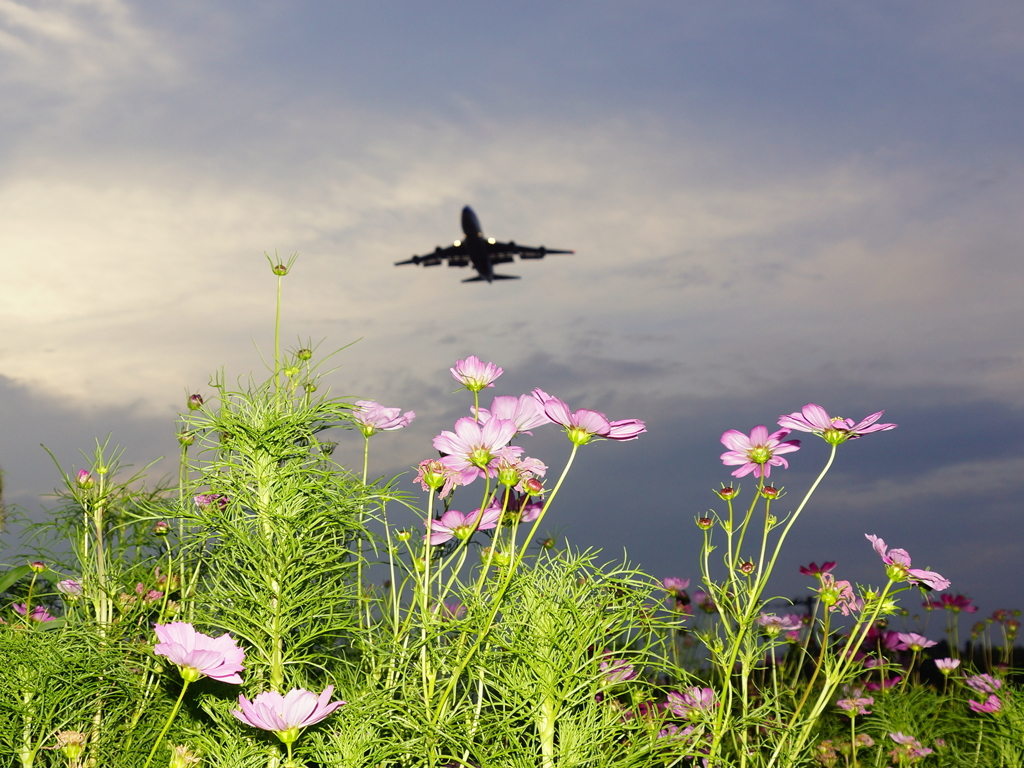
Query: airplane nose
(470, 223)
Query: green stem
(167, 725)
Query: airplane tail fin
(480, 278)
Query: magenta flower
(38, 614)
(285, 715)
(373, 417)
(692, 702)
(204, 500)
(525, 411)
(474, 374)
(85, 479)
(815, 570)
(473, 448)
(947, 665)
(954, 603)
(197, 655)
(898, 562)
(856, 706)
(911, 641)
(888, 682)
(757, 453)
(833, 429)
(984, 683)
(584, 425)
(991, 706)
(455, 524)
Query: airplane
(480, 252)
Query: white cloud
(70, 44)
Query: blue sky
(772, 204)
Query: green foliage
(489, 657)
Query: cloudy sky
(771, 204)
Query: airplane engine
(458, 262)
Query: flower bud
(704, 523)
(403, 534)
(71, 744)
(279, 269)
(37, 566)
(533, 486)
(727, 492)
(500, 559)
(195, 402)
(183, 757)
(85, 479)
(771, 492)
(747, 567)
(291, 370)
(186, 438)
(548, 542)
(304, 354)
(162, 528)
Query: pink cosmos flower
(198, 655)
(373, 417)
(692, 702)
(984, 683)
(757, 453)
(85, 479)
(39, 613)
(674, 586)
(455, 524)
(474, 374)
(584, 425)
(775, 625)
(911, 641)
(617, 671)
(473, 448)
(991, 706)
(839, 595)
(815, 570)
(435, 476)
(514, 472)
(911, 747)
(833, 429)
(285, 715)
(947, 665)
(70, 588)
(525, 411)
(856, 706)
(899, 566)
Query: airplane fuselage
(476, 244)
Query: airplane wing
(502, 252)
(455, 255)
